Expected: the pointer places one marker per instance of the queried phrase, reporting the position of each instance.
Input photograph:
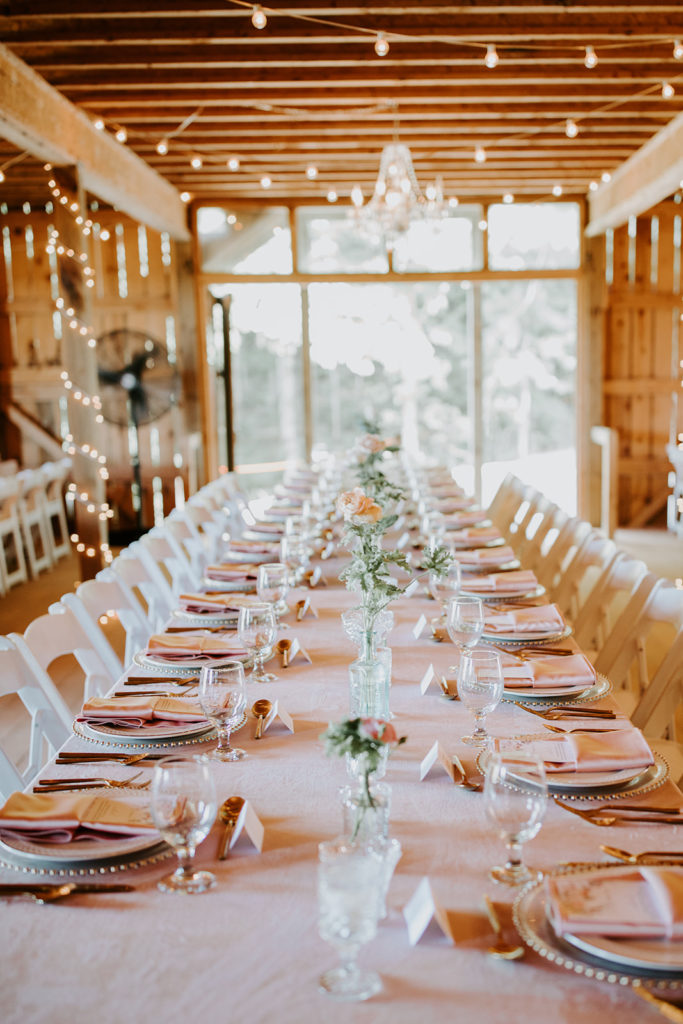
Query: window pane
(530, 236)
(529, 364)
(266, 368)
(256, 240)
(330, 242)
(451, 243)
(397, 352)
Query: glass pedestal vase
(369, 689)
(365, 811)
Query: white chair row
(33, 528)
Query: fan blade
(138, 363)
(109, 376)
(138, 404)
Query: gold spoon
(260, 709)
(641, 858)
(228, 812)
(465, 782)
(501, 950)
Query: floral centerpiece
(370, 450)
(368, 741)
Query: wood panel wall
(642, 351)
(136, 284)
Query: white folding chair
(144, 582)
(52, 636)
(50, 719)
(591, 562)
(558, 557)
(606, 602)
(171, 561)
(659, 707)
(211, 524)
(55, 475)
(33, 517)
(187, 536)
(98, 598)
(10, 534)
(516, 533)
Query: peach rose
(356, 507)
(370, 444)
(378, 729)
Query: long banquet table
(249, 949)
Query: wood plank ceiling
(307, 102)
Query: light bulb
(357, 196)
(233, 164)
(591, 58)
(104, 236)
(381, 45)
(311, 172)
(162, 147)
(185, 197)
(483, 224)
(453, 202)
(491, 58)
(571, 128)
(667, 90)
(480, 155)
(508, 198)
(332, 196)
(258, 17)
(121, 135)
(2, 175)
(593, 186)
(99, 124)
(266, 181)
(606, 176)
(557, 190)
(195, 161)
(678, 49)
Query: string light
(491, 58)
(185, 197)
(591, 58)
(233, 164)
(2, 175)
(258, 16)
(508, 198)
(571, 128)
(606, 176)
(480, 155)
(195, 161)
(121, 135)
(357, 196)
(162, 147)
(678, 49)
(667, 90)
(311, 172)
(266, 181)
(381, 45)
(453, 202)
(593, 186)
(332, 196)
(99, 124)
(557, 190)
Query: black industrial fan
(137, 384)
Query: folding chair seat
(11, 541)
(50, 718)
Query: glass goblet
(256, 628)
(350, 897)
(183, 807)
(223, 699)
(515, 798)
(272, 585)
(444, 587)
(465, 621)
(480, 687)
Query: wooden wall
(136, 273)
(642, 350)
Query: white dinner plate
(584, 695)
(527, 638)
(183, 668)
(546, 691)
(249, 557)
(464, 544)
(513, 563)
(589, 784)
(489, 596)
(206, 618)
(236, 586)
(665, 955)
(81, 852)
(146, 735)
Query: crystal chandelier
(397, 199)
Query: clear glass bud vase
(365, 810)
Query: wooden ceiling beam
(650, 175)
(38, 119)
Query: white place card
(315, 578)
(427, 679)
(402, 541)
(303, 608)
(293, 652)
(437, 755)
(411, 588)
(277, 712)
(421, 911)
(419, 627)
(249, 823)
(327, 551)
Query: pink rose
(356, 507)
(378, 729)
(370, 444)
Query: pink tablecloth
(249, 951)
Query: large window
(468, 359)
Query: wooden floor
(660, 550)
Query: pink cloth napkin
(463, 519)
(486, 556)
(547, 618)
(64, 817)
(448, 505)
(574, 670)
(630, 903)
(255, 547)
(201, 604)
(472, 534)
(140, 712)
(193, 647)
(501, 582)
(229, 572)
(601, 752)
(266, 527)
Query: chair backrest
(51, 636)
(144, 582)
(607, 601)
(183, 530)
(102, 596)
(505, 502)
(559, 556)
(591, 562)
(170, 559)
(50, 720)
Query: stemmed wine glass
(515, 798)
(256, 628)
(351, 881)
(223, 699)
(272, 585)
(465, 621)
(183, 807)
(444, 587)
(480, 687)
